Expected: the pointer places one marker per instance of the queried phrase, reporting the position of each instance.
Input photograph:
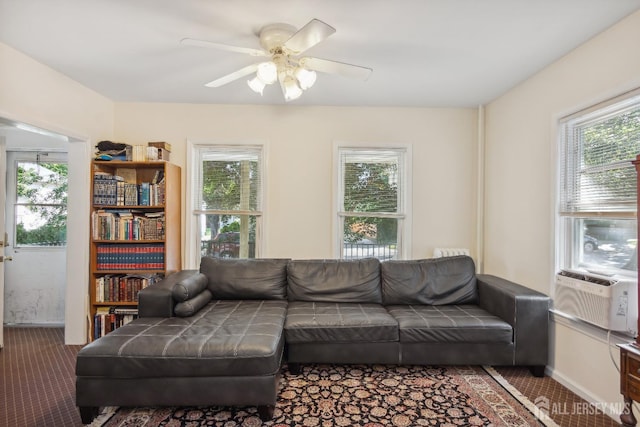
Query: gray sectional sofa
(218, 335)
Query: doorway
(16, 135)
(35, 237)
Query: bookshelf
(135, 236)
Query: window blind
(597, 175)
(371, 180)
(229, 179)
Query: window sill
(592, 331)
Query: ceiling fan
(283, 45)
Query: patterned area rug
(371, 396)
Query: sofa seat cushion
(339, 322)
(450, 324)
(224, 338)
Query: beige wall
(520, 192)
(35, 94)
(38, 95)
(299, 178)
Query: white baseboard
(612, 411)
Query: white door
(35, 221)
(3, 174)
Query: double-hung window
(597, 188)
(372, 202)
(227, 200)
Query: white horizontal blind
(596, 173)
(371, 180)
(229, 179)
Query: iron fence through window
(369, 250)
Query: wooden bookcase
(135, 235)
(630, 353)
(636, 164)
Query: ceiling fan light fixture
(267, 72)
(306, 78)
(256, 85)
(291, 89)
(282, 47)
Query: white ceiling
(439, 53)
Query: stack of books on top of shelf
(159, 150)
(153, 151)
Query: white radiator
(442, 252)
(603, 301)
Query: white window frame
(192, 239)
(566, 242)
(405, 196)
(26, 156)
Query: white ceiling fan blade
(221, 46)
(308, 36)
(335, 67)
(233, 76)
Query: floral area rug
(371, 396)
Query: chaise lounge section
(188, 349)
(218, 335)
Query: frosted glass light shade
(256, 85)
(291, 89)
(306, 78)
(267, 72)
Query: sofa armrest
(526, 310)
(156, 300)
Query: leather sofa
(218, 335)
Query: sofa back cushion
(192, 305)
(246, 278)
(334, 280)
(437, 281)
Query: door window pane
(41, 207)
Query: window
(41, 202)
(228, 200)
(372, 202)
(597, 209)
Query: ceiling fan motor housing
(274, 36)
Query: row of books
(113, 190)
(123, 288)
(127, 225)
(108, 319)
(148, 256)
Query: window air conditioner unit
(607, 302)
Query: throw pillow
(192, 305)
(189, 287)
